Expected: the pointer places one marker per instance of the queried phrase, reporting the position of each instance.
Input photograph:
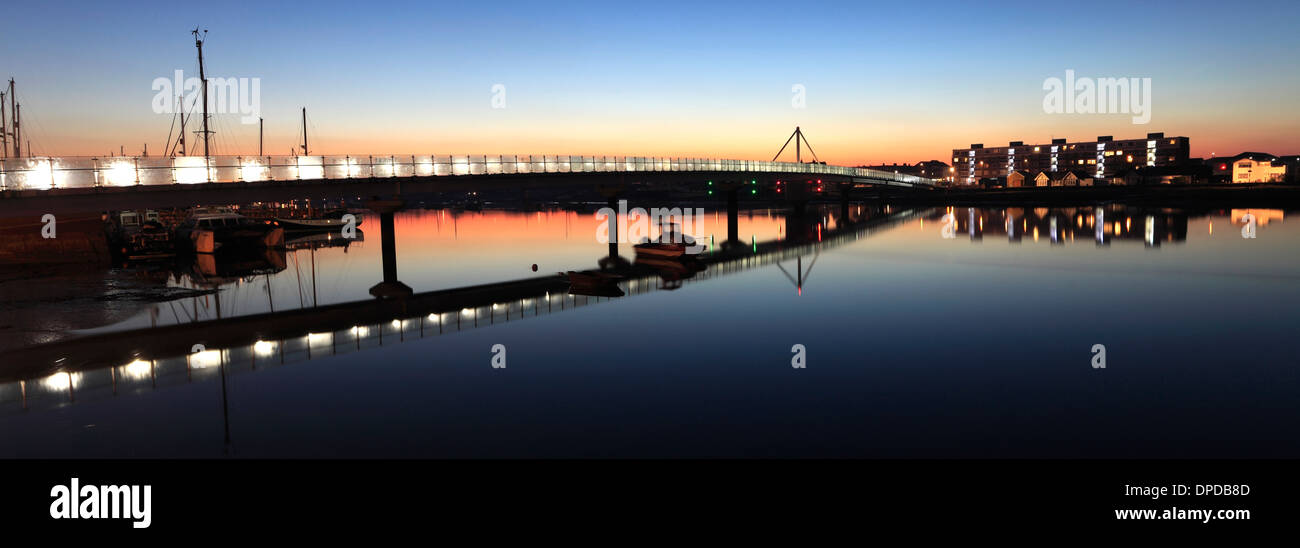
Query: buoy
(534, 267)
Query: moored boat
(209, 229)
(328, 220)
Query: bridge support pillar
(390, 287)
(612, 203)
(733, 215)
(845, 190)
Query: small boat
(141, 238)
(211, 228)
(327, 220)
(656, 249)
(671, 243)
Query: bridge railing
(43, 173)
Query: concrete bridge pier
(846, 190)
(733, 215)
(390, 288)
(612, 203)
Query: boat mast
(304, 131)
(4, 128)
(182, 138)
(198, 43)
(259, 135)
(13, 109)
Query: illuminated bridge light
(252, 171)
(263, 348)
(61, 381)
(120, 173)
(188, 170)
(359, 331)
(43, 176)
(204, 359)
(137, 369)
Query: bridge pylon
(799, 140)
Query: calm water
(931, 332)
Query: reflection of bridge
(95, 184)
(144, 359)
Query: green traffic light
(710, 193)
(754, 191)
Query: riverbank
(1225, 196)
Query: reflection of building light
(1262, 216)
(433, 317)
(467, 312)
(206, 358)
(397, 324)
(313, 338)
(360, 331)
(264, 348)
(138, 369)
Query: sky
(882, 83)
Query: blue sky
(886, 82)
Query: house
(1043, 178)
(1070, 178)
(1258, 167)
(1017, 178)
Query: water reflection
(1101, 225)
(114, 360)
(926, 328)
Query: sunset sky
(895, 82)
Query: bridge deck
(46, 173)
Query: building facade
(1255, 167)
(1101, 158)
